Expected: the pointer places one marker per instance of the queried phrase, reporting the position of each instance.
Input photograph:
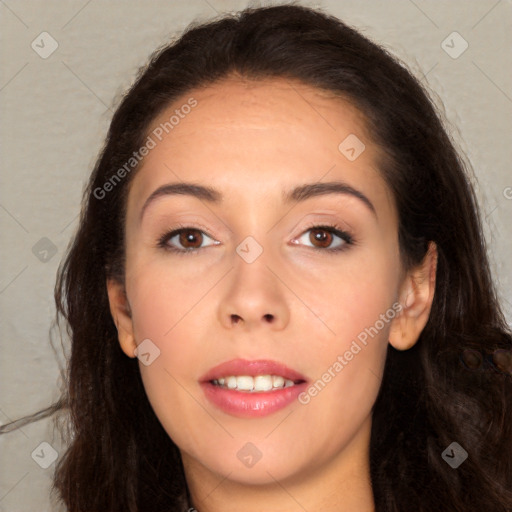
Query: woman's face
(253, 279)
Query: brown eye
(186, 240)
(320, 237)
(191, 238)
(325, 238)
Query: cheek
(343, 396)
(169, 310)
(357, 306)
(163, 312)
(347, 364)
(351, 295)
(163, 296)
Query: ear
(121, 314)
(416, 296)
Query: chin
(263, 472)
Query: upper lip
(251, 368)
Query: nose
(254, 298)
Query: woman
(278, 295)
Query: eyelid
(192, 225)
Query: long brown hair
(120, 457)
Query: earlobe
(121, 314)
(416, 297)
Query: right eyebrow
(202, 192)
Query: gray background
(55, 113)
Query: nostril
(235, 319)
(268, 317)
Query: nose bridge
(254, 295)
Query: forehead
(256, 105)
(258, 138)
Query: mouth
(252, 388)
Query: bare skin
(296, 303)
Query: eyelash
(334, 229)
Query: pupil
(187, 237)
(320, 235)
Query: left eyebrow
(303, 192)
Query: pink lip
(246, 404)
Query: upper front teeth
(258, 383)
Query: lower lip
(251, 405)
